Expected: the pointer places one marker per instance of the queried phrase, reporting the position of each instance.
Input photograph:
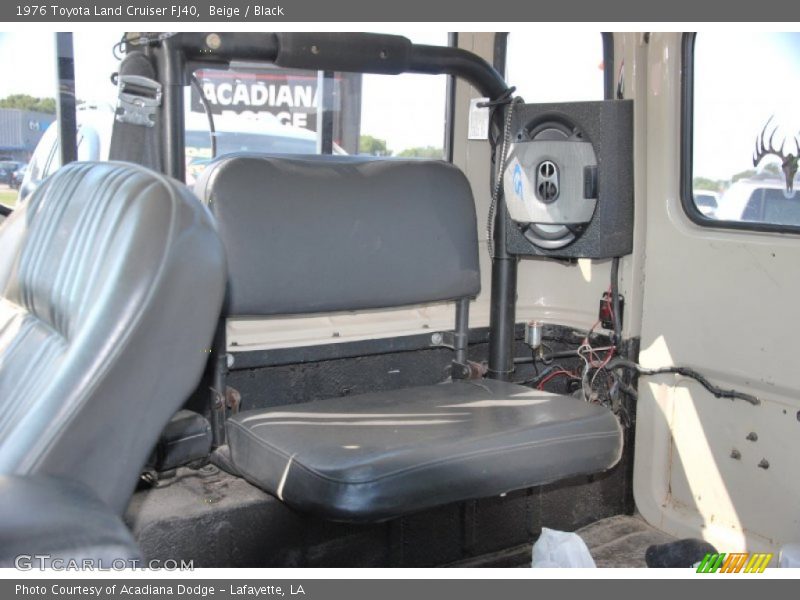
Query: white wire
(498, 180)
(582, 350)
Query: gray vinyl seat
(314, 234)
(112, 279)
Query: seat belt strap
(137, 122)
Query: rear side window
(742, 129)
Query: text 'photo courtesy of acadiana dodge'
(250, 591)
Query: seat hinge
(453, 340)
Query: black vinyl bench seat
(375, 456)
(316, 234)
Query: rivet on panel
(213, 41)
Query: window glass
(97, 58)
(262, 108)
(745, 126)
(27, 105)
(28, 132)
(257, 107)
(404, 115)
(545, 65)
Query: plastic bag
(555, 549)
(789, 557)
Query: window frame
(687, 155)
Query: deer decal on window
(789, 161)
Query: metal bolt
(735, 454)
(229, 360)
(764, 464)
(436, 339)
(752, 437)
(213, 41)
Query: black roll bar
(65, 99)
(354, 52)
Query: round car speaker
(546, 189)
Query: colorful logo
(742, 562)
(517, 180)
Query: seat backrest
(112, 278)
(309, 234)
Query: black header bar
(441, 11)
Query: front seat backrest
(111, 281)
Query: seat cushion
(112, 278)
(376, 456)
(48, 519)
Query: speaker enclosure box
(608, 125)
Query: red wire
(589, 334)
(594, 360)
(555, 374)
